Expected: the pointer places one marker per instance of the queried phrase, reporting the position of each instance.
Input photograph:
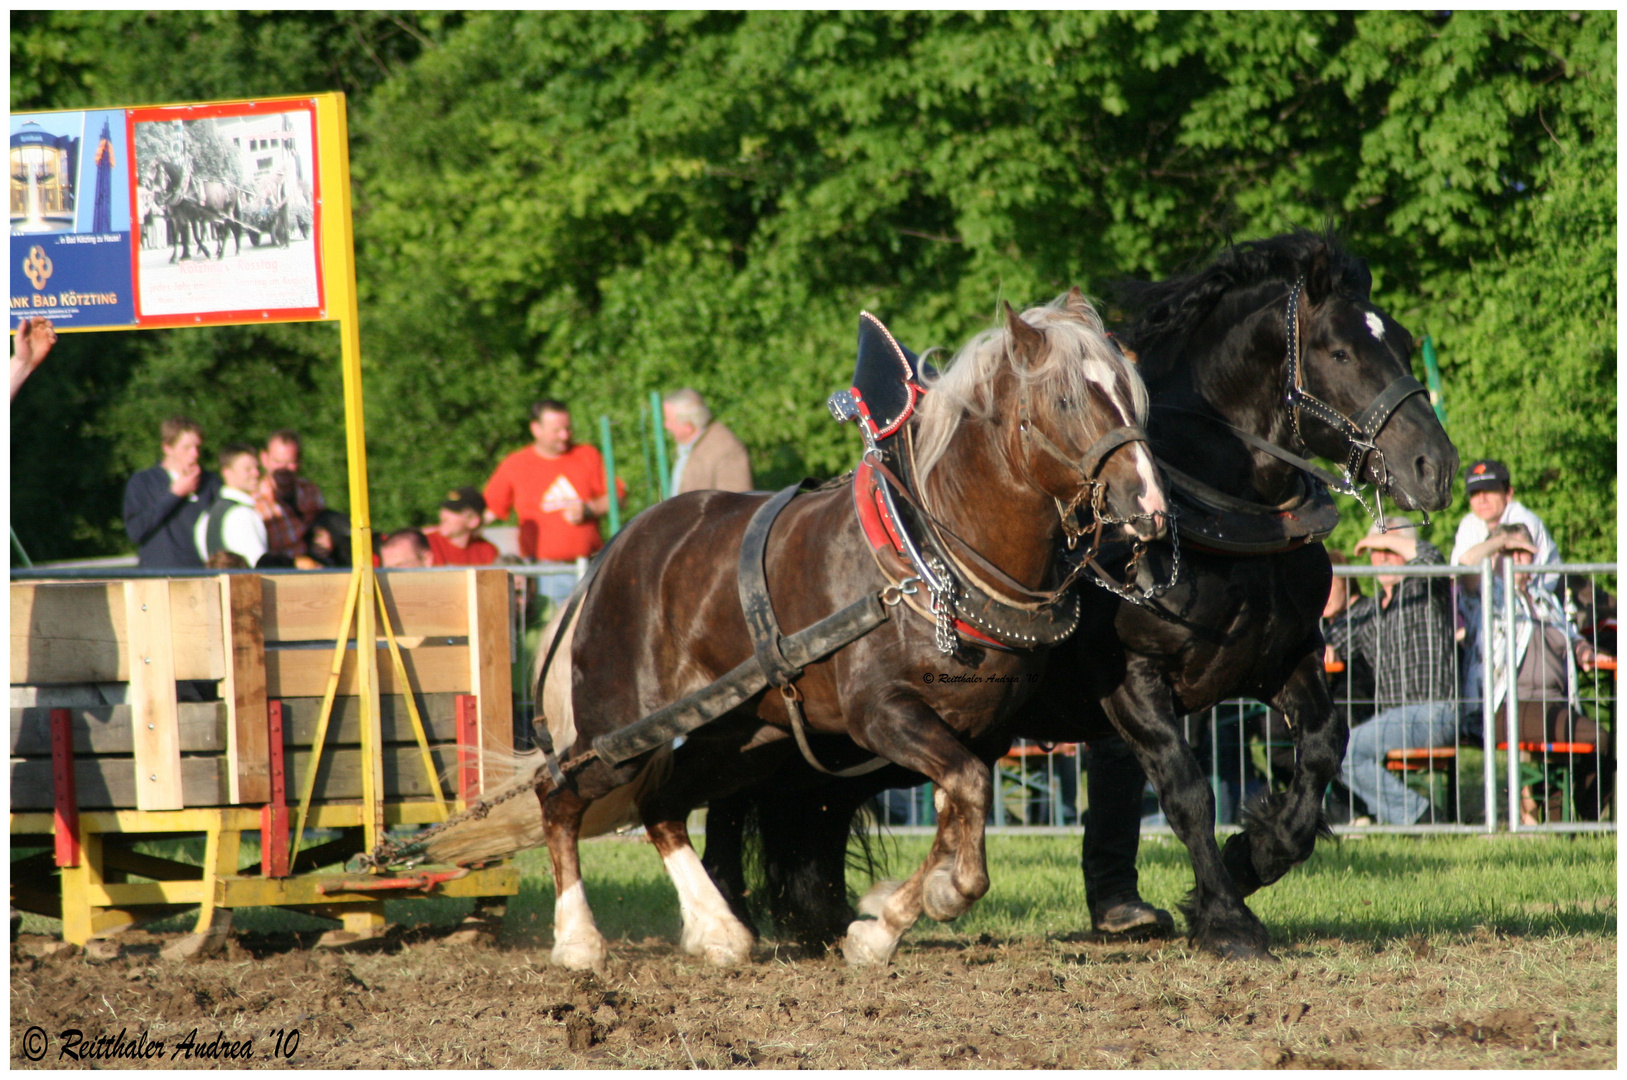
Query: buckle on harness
(894, 594)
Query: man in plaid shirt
(1405, 635)
(287, 502)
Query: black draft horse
(208, 206)
(997, 440)
(1214, 351)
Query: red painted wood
(66, 824)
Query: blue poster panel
(71, 219)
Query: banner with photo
(176, 215)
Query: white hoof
(718, 942)
(871, 903)
(868, 944)
(581, 953)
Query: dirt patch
(416, 1000)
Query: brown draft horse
(663, 618)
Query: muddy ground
(418, 1000)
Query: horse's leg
(1281, 833)
(578, 944)
(710, 928)
(954, 874)
(1217, 918)
(805, 843)
(725, 860)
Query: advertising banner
(175, 215)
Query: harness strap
(746, 678)
(1262, 445)
(754, 598)
(1373, 418)
(793, 706)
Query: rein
(1359, 432)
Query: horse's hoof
(868, 944)
(1238, 950)
(872, 902)
(719, 944)
(582, 954)
(940, 899)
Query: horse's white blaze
(1375, 324)
(556, 687)
(578, 944)
(1152, 495)
(710, 928)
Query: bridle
(1360, 432)
(1092, 489)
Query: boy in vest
(232, 523)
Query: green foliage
(592, 205)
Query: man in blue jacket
(162, 504)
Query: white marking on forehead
(1375, 324)
(1106, 377)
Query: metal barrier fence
(1545, 762)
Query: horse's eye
(1063, 403)
(1340, 356)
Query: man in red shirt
(558, 490)
(457, 540)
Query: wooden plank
(195, 622)
(491, 677)
(248, 744)
(106, 729)
(307, 607)
(78, 633)
(340, 774)
(155, 719)
(438, 712)
(304, 672)
(68, 633)
(109, 783)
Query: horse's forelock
(1077, 358)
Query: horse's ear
(1076, 302)
(1319, 276)
(1027, 339)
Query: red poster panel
(234, 194)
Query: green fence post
(1432, 372)
(664, 477)
(17, 546)
(609, 450)
(651, 481)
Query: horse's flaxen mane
(1176, 307)
(1077, 356)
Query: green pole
(650, 479)
(1432, 372)
(609, 450)
(17, 545)
(662, 474)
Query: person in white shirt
(1492, 503)
(232, 524)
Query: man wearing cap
(456, 541)
(710, 457)
(1492, 503)
(1405, 635)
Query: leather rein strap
(1361, 431)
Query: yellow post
(338, 246)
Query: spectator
(225, 560)
(1545, 681)
(557, 490)
(406, 550)
(709, 455)
(287, 502)
(1492, 502)
(456, 541)
(1405, 635)
(231, 523)
(163, 504)
(329, 539)
(29, 347)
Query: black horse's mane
(1176, 307)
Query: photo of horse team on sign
(226, 212)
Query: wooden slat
(438, 712)
(304, 672)
(77, 633)
(153, 713)
(307, 607)
(110, 783)
(340, 775)
(106, 729)
(248, 746)
(490, 674)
